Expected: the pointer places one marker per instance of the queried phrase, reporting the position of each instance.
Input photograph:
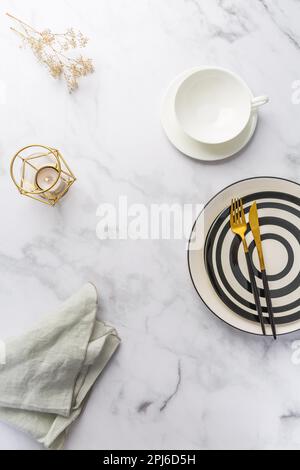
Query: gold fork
(239, 227)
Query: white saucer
(191, 147)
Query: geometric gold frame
(31, 160)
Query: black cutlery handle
(269, 302)
(255, 292)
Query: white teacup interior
(213, 105)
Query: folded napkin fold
(49, 371)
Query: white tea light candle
(48, 179)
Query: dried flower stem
(50, 48)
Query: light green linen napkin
(49, 371)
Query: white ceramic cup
(214, 105)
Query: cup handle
(259, 101)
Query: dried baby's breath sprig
(50, 49)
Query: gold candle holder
(41, 173)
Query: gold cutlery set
(239, 226)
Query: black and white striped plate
(217, 262)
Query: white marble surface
(181, 379)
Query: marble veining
(182, 378)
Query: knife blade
(254, 224)
(255, 228)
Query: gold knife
(254, 224)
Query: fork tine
(243, 212)
(231, 214)
(240, 211)
(237, 211)
(234, 210)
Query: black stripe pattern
(280, 221)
